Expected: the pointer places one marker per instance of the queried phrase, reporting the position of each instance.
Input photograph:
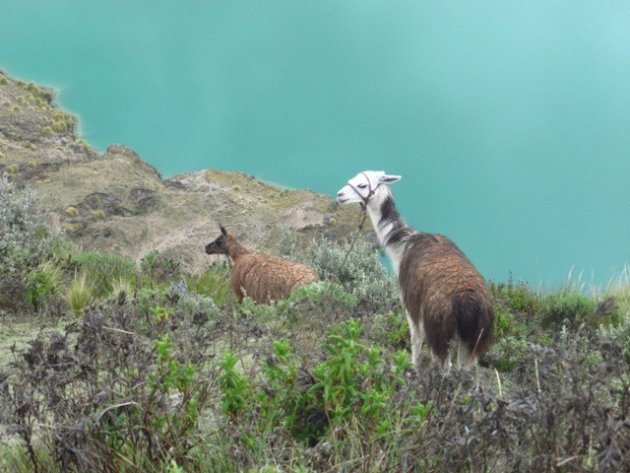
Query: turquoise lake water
(509, 121)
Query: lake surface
(509, 121)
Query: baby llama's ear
(223, 230)
(388, 179)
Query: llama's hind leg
(417, 337)
(465, 358)
(443, 359)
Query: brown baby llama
(262, 277)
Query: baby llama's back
(262, 277)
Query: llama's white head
(363, 186)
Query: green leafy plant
(167, 377)
(281, 401)
(338, 376)
(162, 313)
(351, 382)
(234, 386)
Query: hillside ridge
(115, 201)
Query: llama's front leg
(416, 333)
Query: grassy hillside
(107, 364)
(122, 348)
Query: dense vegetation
(142, 367)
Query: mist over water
(509, 121)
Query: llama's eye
(362, 186)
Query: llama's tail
(474, 319)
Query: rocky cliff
(115, 201)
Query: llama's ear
(388, 179)
(223, 230)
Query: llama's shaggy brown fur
(262, 277)
(444, 293)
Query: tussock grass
(122, 286)
(79, 294)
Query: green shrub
(388, 330)
(618, 334)
(15, 458)
(267, 469)
(42, 282)
(567, 308)
(59, 126)
(516, 296)
(503, 322)
(235, 389)
(248, 308)
(613, 306)
(173, 467)
(19, 220)
(102, 269)
(507, 353)
(148, 297)
(324, 292)
(316, 304)
(159, 268)
(352, 385)
(166, 378)
(111, 387)
(282, 400)
(608, 312)
(40, 93)
(214, 282)
(358, 270)
(198, 305)
(61, 252)
(621, 293)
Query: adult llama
(444, 296)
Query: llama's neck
(235, 249)
(391, 231)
